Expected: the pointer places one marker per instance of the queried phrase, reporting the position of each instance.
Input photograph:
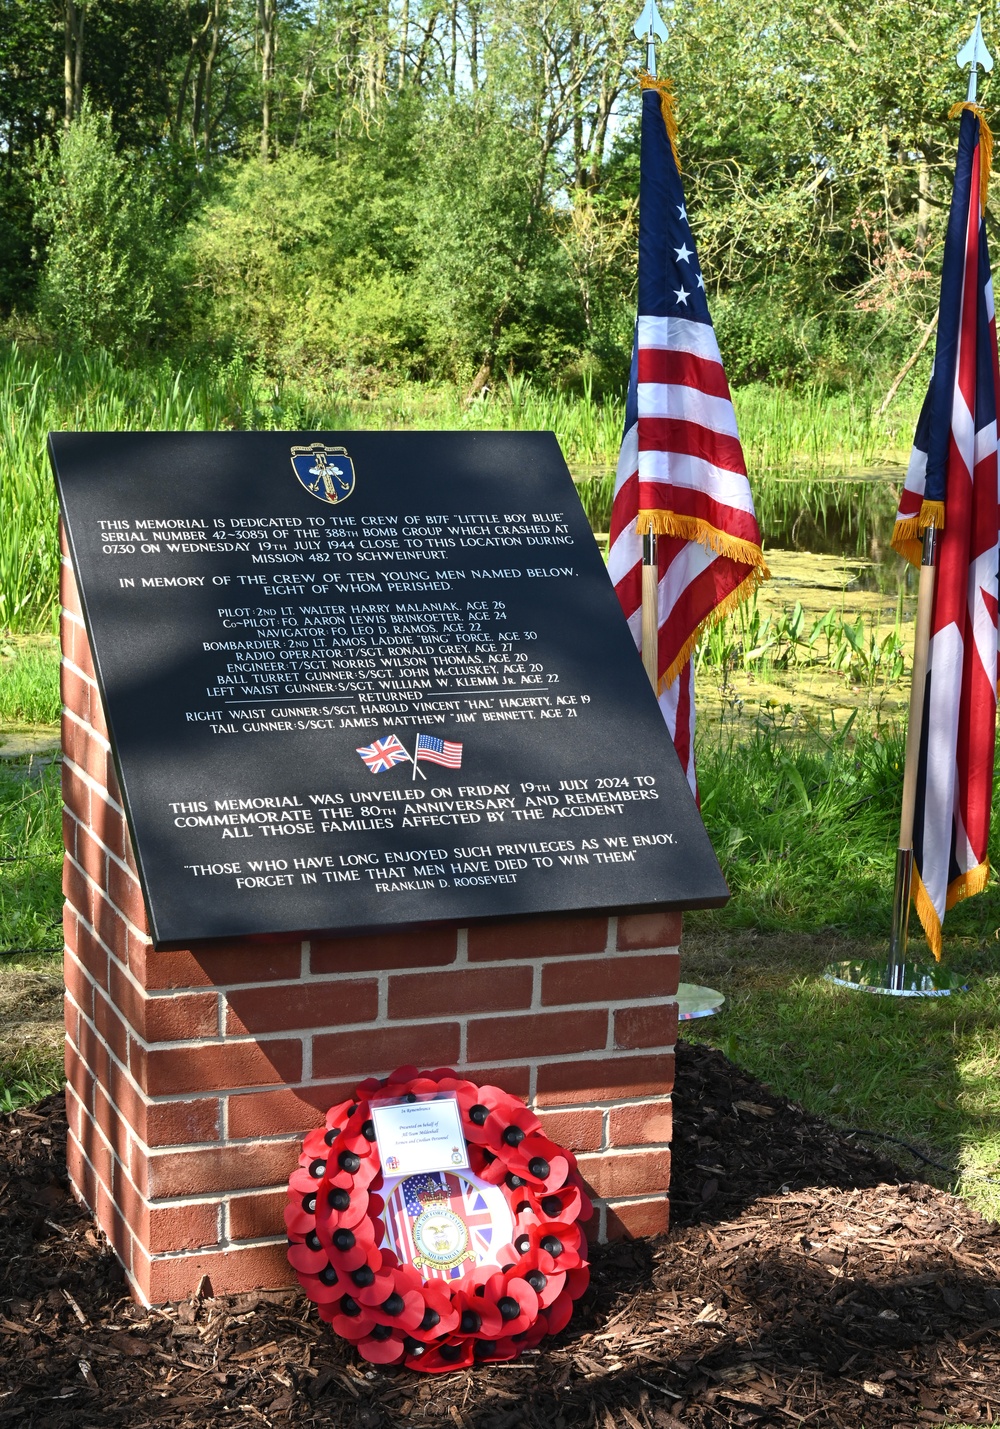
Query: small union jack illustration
(383, 754)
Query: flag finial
(972, 53)
(650, 27)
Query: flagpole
(903, 977)
(650, 28)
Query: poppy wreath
(383, 1305)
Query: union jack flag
(439, 751)
(489, 1226)
(951, 484)
(383, 754)
(681, 473)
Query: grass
(799, 444)
(29, 681)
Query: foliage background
(444, 190)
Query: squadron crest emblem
(326, 472)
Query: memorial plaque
(357, 680)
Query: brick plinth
(192, 1076)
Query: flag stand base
(694, 1001)
(908, 979)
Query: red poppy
(456, 1352)
(557, 1246)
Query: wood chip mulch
(806, 1281)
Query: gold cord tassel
(985, 146)
(668, 108)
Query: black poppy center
(513, 1135)
(363, 1276)
(536, 1280)
(343, 1239)
(485, 1348)
(316, 1168)
(508, 1307)
(349, 1306)
(328, 1275)
(451, 1353)
(552, 1244)
(522, 1244)
(347, 1161)
(514, 1181)
(478, 1114)
(470, 1322)
(393, 1305)
(332, 1135)
(431, 1318)
(309, 1203)
(312, 1241)
(538, 1166)
(339, 1199)
(381, 1332)
(551, 1205)
(368, 1130)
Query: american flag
(681, 472)
(488, 1221)
(383, 754)
(951, 483)
(439, 751)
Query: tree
(106, 247)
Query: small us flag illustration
(439, 751)
(383, 754)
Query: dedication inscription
(362, 679)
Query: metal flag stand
(900, 976)
(692, 1000)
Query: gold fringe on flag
(967, 885)
(743, 591)
(668, 108)
(985, 146)
(692, 528)
(907, 535)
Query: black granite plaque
(360, 679)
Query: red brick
(112, 1125)
(69, 828)
(649, 1026)
(230, 1272)
(313, 1004)
(538, 938)
(79, 1076)
(78, 985)
(514, 1080)
(221, 1168)
(114, 788)
(421, 948)
(98, 1152)
(648, 930)
(382, 1049)
(111, 1026)
(546, 1034)
(109, 924)
(630, 1219)
(109, 826)
(97, 720)
(76, 890)
(81, 1173)
(91, 857)
(94, 1051)
(76, 1112)
(75, 645)
(297, 1109)
(178, 1123)
(641, 1122)
(460, 990)
(605, 1079)
(92, 955)
(164, 1019)
(627, 1173)
(215, 967)
(167, 1071)
(84, 749)
(75, 793)
(187, 1227)
(605, 980)
(113, 1224)
(578, 1130)
(125, 893)
(69, 597)
(75, 692)
(254, 1217)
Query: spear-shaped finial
(973, 53)
(650, 27)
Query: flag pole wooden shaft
(650, 610)
(914, 732)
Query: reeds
(802, 446)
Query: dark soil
(806, 1281)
